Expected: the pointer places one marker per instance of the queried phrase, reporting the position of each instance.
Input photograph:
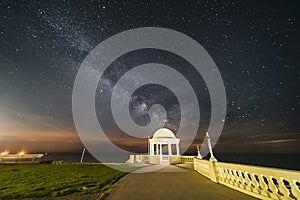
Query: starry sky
(253, 43)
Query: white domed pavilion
(163, 137)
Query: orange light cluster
(4, 153)
(22, 153)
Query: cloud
(23, 128)
(277, 141)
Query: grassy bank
(23, 181)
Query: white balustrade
(187, 159)
(261, 182)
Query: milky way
(253, 43)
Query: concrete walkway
(172, 182)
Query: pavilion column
(157, 149)
(169, 149)
(177, 149)
(151, 149)
(160, 148)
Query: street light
(212, 158)
(199, 155)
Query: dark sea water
(284, 161)
(70, 157)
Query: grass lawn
(25, 181)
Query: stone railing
(260, 182)
(202, 166)
(156, 159)
(152, 159)
(187, 159)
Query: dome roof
(163, 133)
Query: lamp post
(82, 155)
(199, 155)
(212, 158)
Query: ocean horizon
(284, 161)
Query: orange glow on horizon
(6, 152)
(22, 153)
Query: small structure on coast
(20, 158)
(163, 137)
(163, 148)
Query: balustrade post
(242, 179)
(282, 188)
(273, 188)
(213, 172)
(236, 178)
(263, 185)
(295, 188)
(222, 175)
(248, 181)
(255, 183)
(231, 176)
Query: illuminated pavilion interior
(161, 138)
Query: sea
(284, 161)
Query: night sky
(253, 43)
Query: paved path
(172, 182)
(80, 197)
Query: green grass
(26, 181)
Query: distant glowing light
(4, 153)
(22, 153)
